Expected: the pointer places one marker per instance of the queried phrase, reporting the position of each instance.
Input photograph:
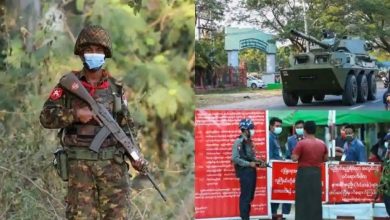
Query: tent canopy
(289, 117)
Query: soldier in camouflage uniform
(98, 183)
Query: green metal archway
(237, 39)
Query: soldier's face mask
(386, 144)
(93, 61)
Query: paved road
(330, 102)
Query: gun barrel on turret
(310, 39)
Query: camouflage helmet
(93, 34)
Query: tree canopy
(365, 18)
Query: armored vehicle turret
(332, 67)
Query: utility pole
(305, 23)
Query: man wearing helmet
(244, 159)
(98, 183)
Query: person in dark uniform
(310, 153)
(244, 159)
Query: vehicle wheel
(350, 90)
(362, 88)
(306, 98)
(290, 99)
(319, 97)
(253, 86)
(371, 87)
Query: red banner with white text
(217, 188)
(283, 181)
(353, 183)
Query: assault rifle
(262, 163)
(109, 126)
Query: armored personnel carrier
(332, 67)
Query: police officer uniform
(242, 154)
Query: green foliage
(384, 186)
(254, 58)
(153, 55)
(276, 16)
(210, 9)
(210, 54)
(365, 18)
(283, 55)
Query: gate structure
(237, 39)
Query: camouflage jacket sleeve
(54, 113)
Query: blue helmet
(387, 137)
(246, 123)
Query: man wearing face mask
(244, 159)
(340, 141)
(310, 153)
(354, 149)
(293, 139)
(291, 144)
(98, 183)
(275, 129)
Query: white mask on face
(278, 130)
(299, 131)
(386, 144)
(93, 61)
(252, 132)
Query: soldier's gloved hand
(140, 165)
